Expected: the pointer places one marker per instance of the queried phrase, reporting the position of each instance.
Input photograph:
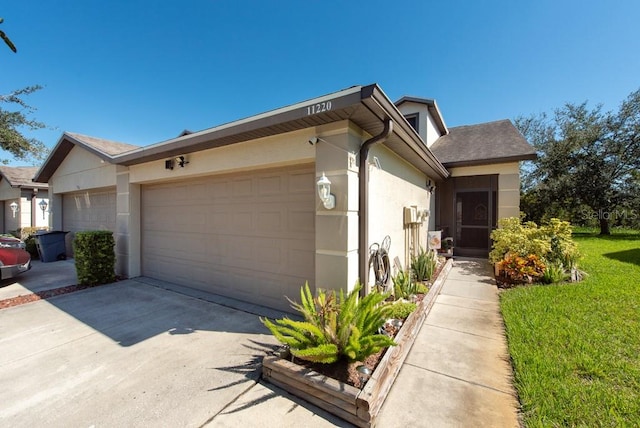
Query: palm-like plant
(334, 327)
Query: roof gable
(104, 149)
(481, 144)
(433, 109)
(21, 176)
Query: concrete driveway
(135, 354)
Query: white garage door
(250, 236)
(88, 210)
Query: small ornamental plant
(520, 250)
(521, 270)
(336, 326)
(424, 265)
(401, 310)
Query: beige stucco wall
(26, 213)
(337, 229)
(8, 193)
(392, 187)
(508, 184)
(82, 170)
(127, 234)
(281, 150)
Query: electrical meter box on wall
(411, 215)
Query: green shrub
(94, 257)
(424, 265)
(334, 327)
(30, 247)
(400, 309)
(551, 242)
(563, 250)
(516, 238)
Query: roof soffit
(367, 107)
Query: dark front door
(474, 220)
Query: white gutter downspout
(363, 203)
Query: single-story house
(242, 210)
(24, 202)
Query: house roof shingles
(108, 147)
(481, 144)
(21, 176)
(104, 149)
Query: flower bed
(357, 406)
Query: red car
(13, 258)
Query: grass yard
(576, 347)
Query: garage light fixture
(14, 208)
(324, 191)
(181, 161)
(43, 206)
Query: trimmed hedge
(95, 257)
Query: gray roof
(481, 144)
(21, 176)
(104, 149)
(108, 147)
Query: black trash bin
(51, 245)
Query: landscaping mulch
(41, 295)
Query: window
(413, 120)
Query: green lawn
(576, 347)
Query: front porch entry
(469, 213)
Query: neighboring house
(235, 209)
(83, 189)
(22, 199)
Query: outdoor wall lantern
(14, 208)
(431, 186)
(324, 191)
(43, 206)
(181, 161)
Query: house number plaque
(318, 108)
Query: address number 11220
(319, 107)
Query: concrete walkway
(458, 372)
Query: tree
(6, 38)
(11, 122)
(587, 166)
(11, 139)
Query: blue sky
(140, 72)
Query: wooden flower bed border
(359, 407)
